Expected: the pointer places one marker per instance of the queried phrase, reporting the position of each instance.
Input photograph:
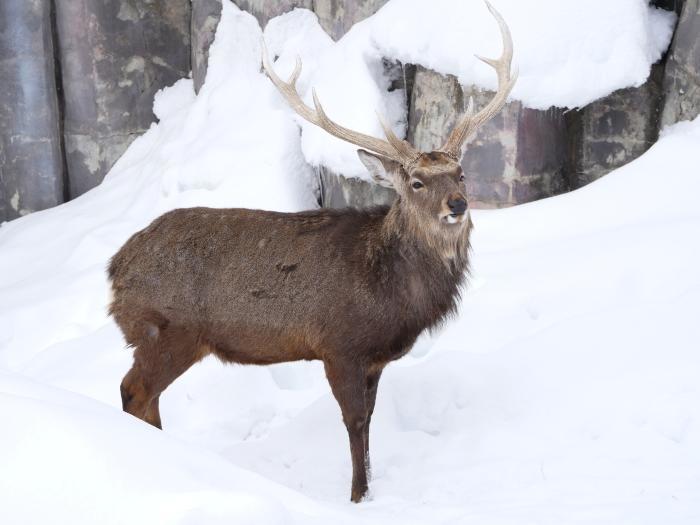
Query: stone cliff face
(79, 79)
(31, 162)
(114, 55)
(81, 76)
(681, 82)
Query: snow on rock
(350, 81)
(568, 53)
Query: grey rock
(517, 157)
(264, 10)
(205, 17)
(90, 157)
(681, 83)
(115, 55)
(31, 164)
(614, 130)
(342, 192)
(669, 5)
(338, 16)
(436, 102)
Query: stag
(352, 288)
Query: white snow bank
(565, 392)
(568, 53)
(74, 460)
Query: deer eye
(461, 178)
(417, 184)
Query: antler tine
(295, 74)
(470, 122)
(395, 149)
(288, 89)
(403, 147)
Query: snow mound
(569, 53)
(94, 465)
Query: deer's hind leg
(159, 358)
(153, 413)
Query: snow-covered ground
(566, 391)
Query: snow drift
(564, 392)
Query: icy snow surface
(566, 391)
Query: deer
(353, 288)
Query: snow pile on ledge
(569, 52)
(349, 78)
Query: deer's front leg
(371, 381)
(348, 383)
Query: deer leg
(135, 397)
(348, 386)
(371, 397)
(157, 364)
(153, 413)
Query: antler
(471, 122)
(393, 148)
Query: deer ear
(383, 170)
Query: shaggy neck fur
(422, 268)
(446, 244)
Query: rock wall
(115, 55)
(205, 17)
(519, 156)
(31, 165)
(681, 83)
(338, 16)
(614, 130)
(79, 78)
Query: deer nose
(457, 205)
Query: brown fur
(352, 288)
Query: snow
(349, 78)
(560, 46)
(565, 391)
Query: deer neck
(413, 237)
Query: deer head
(430, 184)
